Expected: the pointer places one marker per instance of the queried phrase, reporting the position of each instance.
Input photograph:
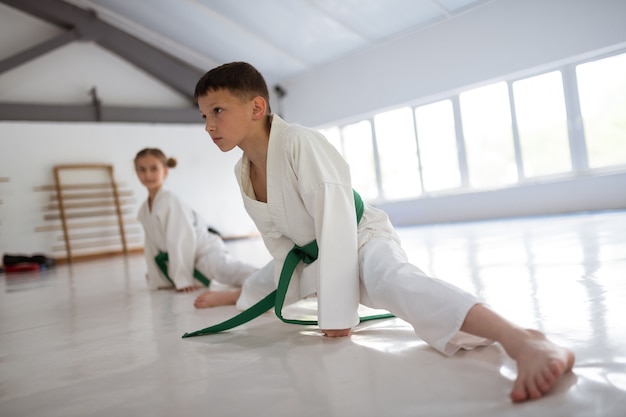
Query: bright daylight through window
(494, 136)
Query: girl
(171, 227)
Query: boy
(297, 189)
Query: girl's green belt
(276, 299)
(161, 261)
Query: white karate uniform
(173, 227)
(309, 197)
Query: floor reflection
(563, 275)
(90, 339)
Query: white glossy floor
(90, 340)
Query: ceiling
(177, 40)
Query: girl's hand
(188, 289)
(336, 332)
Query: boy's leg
(540, 363)
(437, 310)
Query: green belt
(161, 261)
(276, 299)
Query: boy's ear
(259, 107)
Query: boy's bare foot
(216, 298)
(540, 364)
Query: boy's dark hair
(239, 78)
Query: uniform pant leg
(257, 287)
(214, 262)
(435, 309)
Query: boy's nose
(209, 127)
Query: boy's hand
(337, 333)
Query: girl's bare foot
(189, 289)
(540, 364)
(216, 298)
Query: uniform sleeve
(155, 276)
(324, 182)
(332, 206)
(150, 251)
(180, 239)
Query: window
(359, 153)
(488, 134)
(602, 94)
(397, 153)
(542, 124)
(436, 136)
(473, 140)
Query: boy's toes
(543, 384)
(518, 395)
(524, 390)
(556, 368)
(533, 390)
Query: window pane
(359, 152)
(397, 153)
(602, 92)
(488, 136)
(437, 144)
(542, 124)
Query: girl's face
(151, 172)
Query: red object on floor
(23, 267)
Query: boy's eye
(217, 110)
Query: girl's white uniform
(309, 197)
(173, 227)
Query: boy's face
(228, 118)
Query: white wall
(496, 40)
(500, 38)
(28, 151)
(580, 194)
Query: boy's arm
(325, 189)
(332, 207)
